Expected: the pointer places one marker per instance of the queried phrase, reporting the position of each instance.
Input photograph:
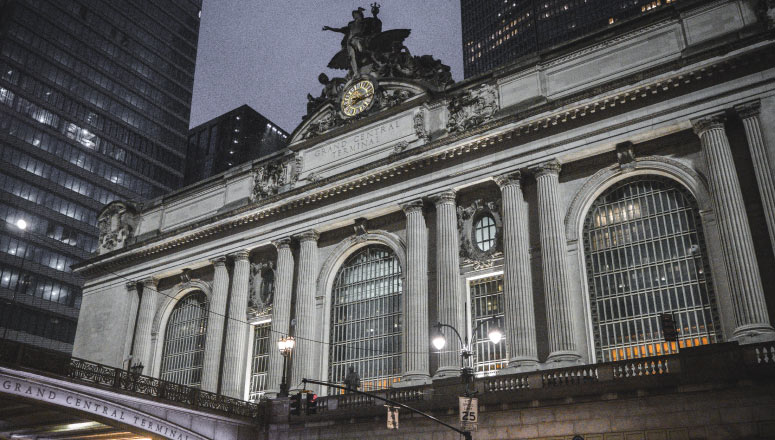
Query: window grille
(645, 255)
(184, 341)
(366, 318)
(260, 363)
(486, 302)
(484, 233)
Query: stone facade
(679, 99)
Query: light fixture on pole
(466, 352)
(285, 345)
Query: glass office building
(95, 98)
(498, 32)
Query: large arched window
(366, 318)
(184, 341)
(645, 256)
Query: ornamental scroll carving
(117, 224)
(270, 178)
(467, 217)
(472, 108)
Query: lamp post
(285, 345)
(466, 365)
(20, 224)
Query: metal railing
(17, 355)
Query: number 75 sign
(469, 413)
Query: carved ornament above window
(480, 230)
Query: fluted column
(236, 329)
(517, 284)
(305, 353)
(134, 303)
(416, 368)
(281, 312)
(215, 321)
(751, 321)
(450, 304)
(562, 345)
(142, 349)
(749, 113)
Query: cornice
(547, 116)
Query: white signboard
(469, 413)
(392, 417)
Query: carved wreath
(467, 218)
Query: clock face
(358, 98)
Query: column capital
(240, 255)
(413, 206)
(282, 243)
(748, 109)
(311, 235)
(549, 167)
(132, 285)
(150, 282)
(447, 196)
(710, 122)
(511, 178)
(218, 261)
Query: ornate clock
(358, 98)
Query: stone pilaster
(306, 330)
(517, 284)
(148, 303)
(749, 113)
(751, 321)
(562, 345)
(451, 309)
(281, 312)
(134, 303)
(215, 321)
(233, 377)
(416, 367)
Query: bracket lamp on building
(495, 334)
(285, 345)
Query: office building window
(366, 318)
(184, 341)
(259, 365)
(487, 303)
(645, 256)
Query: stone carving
(472, 108)
(325, 122)
(116, 223)
(361, 227)
(467, 216)
(400, 147)
(185, 276)
(331, 89)
(269, 178)
(393, 97)
(261, 284)
(419, 126)
(625, 154)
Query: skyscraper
(232, 138)
(498, 32)
(95, 98)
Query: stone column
(306, 330)
(562, 344)
(517, 284)
(233, 377)
(416, 367)
(148, 302)
(451, 309)
(749, 113)
(215, 321)
(751, 321)
(134, 303)
(281, 312)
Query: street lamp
(285, 345)
(466, 367)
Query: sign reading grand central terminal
(100, 408)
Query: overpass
(44, 394)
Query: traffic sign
(392, 417)
(469, 413)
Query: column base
(753, 333)
(520, 365)
(446, 372)
(412, 380)
(560, 359)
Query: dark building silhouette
(95, 98)
(235, 137)
(497, 32)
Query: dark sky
(268, 53)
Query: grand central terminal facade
(572, 200)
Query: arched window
(184, 341)
(484, 232)
(645, 257)
(366, 318)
